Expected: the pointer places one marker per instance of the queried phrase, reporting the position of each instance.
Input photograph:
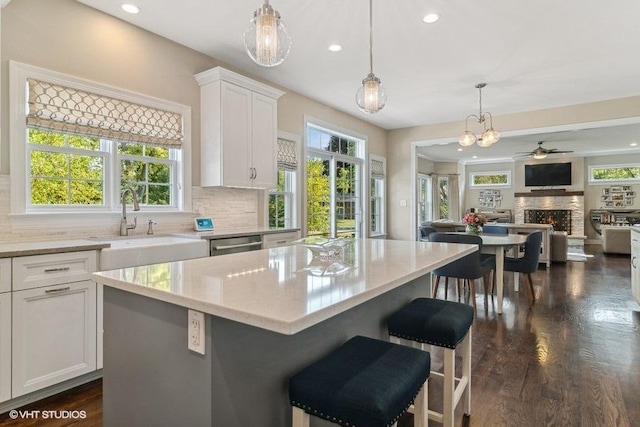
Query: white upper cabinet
(239, 127)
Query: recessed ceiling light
(633, 144)
(130, 8)
(475, 157)
(459, 149)
(334, 48)
(430, 18)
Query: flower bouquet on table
(474, 222)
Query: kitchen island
(268, 313)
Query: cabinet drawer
(5, 275)
(279, 239)
(52, 269)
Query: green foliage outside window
(496, 179)
(318, 197)
(277, 203)
(65, 178)
(615, 173)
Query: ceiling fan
(540, 152)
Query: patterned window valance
(64, 109)
(287, 157)
(377, 169)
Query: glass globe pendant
(371, 96)
(266, 40)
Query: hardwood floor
(572, 359)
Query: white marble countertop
(8, 250)
(221, 233)
(283, 289)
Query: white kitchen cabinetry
(635, 260)
(279, 239)
(238, 130)
(54, 319)
(5, 329)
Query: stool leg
(466, 372)
(472, 286)
(435, 286)
(299, 418)
(446, 287)
(420, 404)
(449, 386)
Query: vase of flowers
(474, 223)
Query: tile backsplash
(230, 208)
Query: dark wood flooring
(571, 359)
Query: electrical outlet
(195, 329)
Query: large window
(77, 144)
(334, 183)
(614, 173)
(443, 195)
(71, 171)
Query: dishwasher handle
(241, 245)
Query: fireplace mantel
(544, 193)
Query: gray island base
(268, 313)
(152, 379)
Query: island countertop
(284, 289)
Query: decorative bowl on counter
(322, 248)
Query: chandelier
(266, 40)
(489, 136)
(371, 96)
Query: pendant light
(371, 96)
(488, 137)
(266, 40)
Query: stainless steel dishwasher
(232, 245)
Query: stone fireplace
(553, 200)
(559, 218)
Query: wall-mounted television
(547, 174)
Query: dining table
(497, 244)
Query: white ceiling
(533, 55)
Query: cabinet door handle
(57, 269)
(633, 262)
(52, 291)
(279, 242)
(255, 173)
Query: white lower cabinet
(279, 239)
(5, 346)
(54, 335)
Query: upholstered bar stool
(365, 382)
(444, 324)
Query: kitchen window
(77, 144)
(334, 183)
(282, 199)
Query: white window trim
(362, 155)
(612, 181)
(297, 202)
(474, 174)
(383, 207)
(18, 105)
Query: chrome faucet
(124, 226)
(151, 224)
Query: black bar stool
(365, 382)
(444, 324)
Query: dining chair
(425, 231)
(528, 263)
(468, 268)
(495, 229)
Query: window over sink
(77, 144)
